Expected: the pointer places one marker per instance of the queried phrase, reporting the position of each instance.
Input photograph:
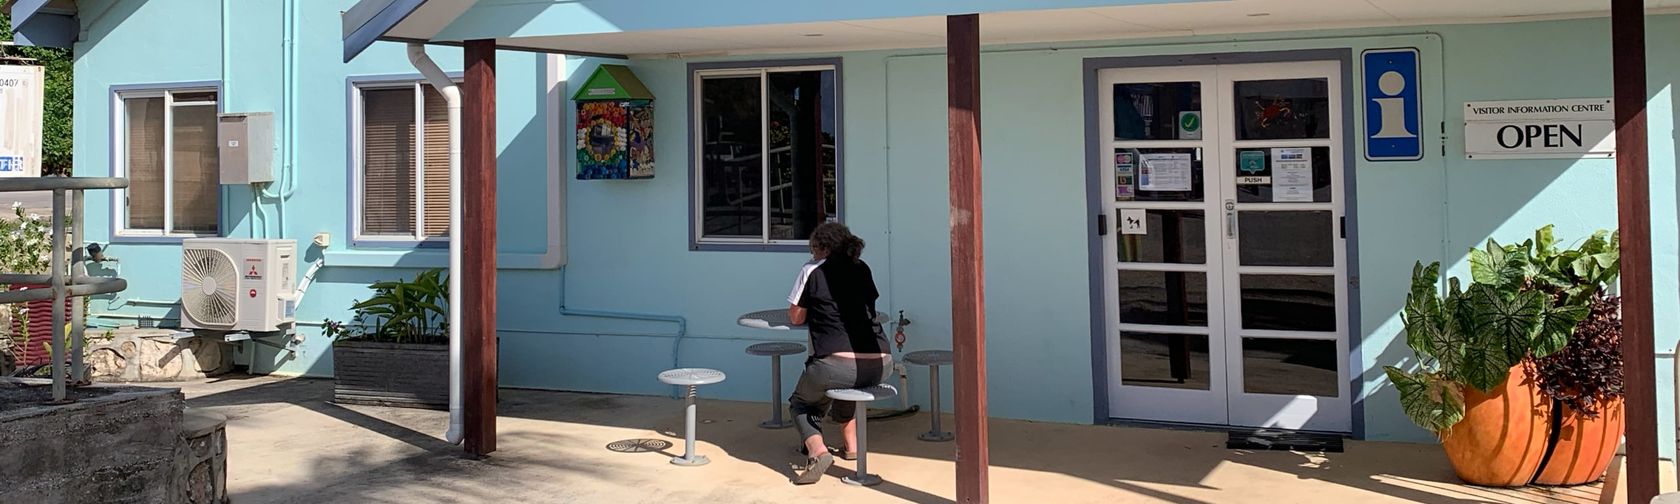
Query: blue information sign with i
(1393, 109)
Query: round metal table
(777, 320)
(692, 378)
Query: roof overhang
(533, 25)
(43, 23)
(688, 28)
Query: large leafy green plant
(1473, 336)
(1570, 276)
(400, 311)
(1587, 372)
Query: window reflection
(1163, 298)
(1290, 367)
(1158, 111)
(1283, 109)
(1177, 361)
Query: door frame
(1094, 163)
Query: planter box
(391, 374)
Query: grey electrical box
(246, 145)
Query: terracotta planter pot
(1585, 446)
(1503, 436)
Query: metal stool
(775, 350)
(692, 378)
(863, 396)
(932, 359)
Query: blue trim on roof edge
(31, 27)
(376, 26)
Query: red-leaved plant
(1588, 371)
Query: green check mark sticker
(1190, 122)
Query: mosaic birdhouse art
(614, 126)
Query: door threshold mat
(1267, 439)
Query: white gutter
(451, 95)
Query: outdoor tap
(898, 332)
(96, 253)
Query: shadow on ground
(554, 445)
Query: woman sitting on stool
(835, 298)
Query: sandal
(813, 469)
(832, 451)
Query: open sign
(1581, 128)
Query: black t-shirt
(839, 298)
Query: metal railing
(64, 281)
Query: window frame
(697, 72)
(120, 232)
(355, 107)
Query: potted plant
(394, 351)
(1584, 379)
(1475, 384)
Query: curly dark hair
(838, 240)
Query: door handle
(1230, 219)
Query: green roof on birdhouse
(613, 82)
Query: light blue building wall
(132, 43)
(626, 242)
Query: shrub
(401, 311)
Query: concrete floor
(289, 444)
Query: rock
(201, 458)
(114, 444)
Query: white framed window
(165, 144)
(767, 153)
(400, 160)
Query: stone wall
(115, 444)
(154, 355)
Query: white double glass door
(1226, 260)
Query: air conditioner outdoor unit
(238, 285)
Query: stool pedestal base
(698, 460)
(861, 480)
(935, 436)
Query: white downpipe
(451, 95)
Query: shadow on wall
(1481, 198)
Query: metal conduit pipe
(676, 343)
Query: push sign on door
(1393, 111)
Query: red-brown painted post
(968, 271)
(478, 253)
(1633, 206)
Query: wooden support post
(968, 271)
(478, 254)
(1633, 204)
